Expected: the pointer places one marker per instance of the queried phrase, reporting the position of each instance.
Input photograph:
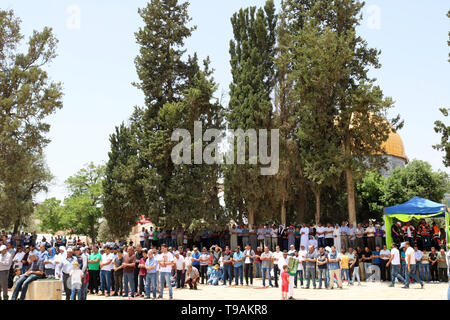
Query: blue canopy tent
(418, 208)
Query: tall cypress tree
(252, 66)
(361, 108)
(122, 203)
(164, 74)
(177, 93)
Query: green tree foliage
(316, 70)
(443, 129)
(27, 97)
(252, 66)
(360, 107)
(193, 189)
(122, 195)
(50, 214)
(417, 179)
(141, 178)
(82, 209)
(290, 183)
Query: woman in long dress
(337, 238)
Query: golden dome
(394, 146)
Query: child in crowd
(284, 282)
(214, 276)
(17, 273)
(76, 276)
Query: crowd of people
(316, 257)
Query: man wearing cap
(35, 272)
(5, 263)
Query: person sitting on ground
(192, 276)
(214, 276)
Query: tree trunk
(301, 207)
(251, 217)
(350, 196)
(317, 197)
(283, 212)
(16, 226)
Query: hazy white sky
(97, 48)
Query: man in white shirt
(351, 236)
(274, 236)
(5, 263)
(65, 266)
(267, 236)
(260, 236)
(370, 233)
(418, 254)
(275, 257)
(395, 261)
(180, 267)
(411, 263)
(18, 257)
(165, 261)
(329, 235)
(320, 231)
(106, 265)
(385, 254)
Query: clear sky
(97, 48)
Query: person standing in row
(238, 258)
(5, 263)
(66, 266)
(129, 262)
(94, 270)
(249, 256)
(165, 261)
(395, 261)
(150, 283)
(411, 265)
(118, 273)
(106, 265)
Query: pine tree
(252, 66)
(361, 107)
(122, 196)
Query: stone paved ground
(367, 291)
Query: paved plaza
(367, 291)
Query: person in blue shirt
(238, 257)
(196, 258)
(150, 277)
(214, 276)
(376, 258)
(334, 268)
